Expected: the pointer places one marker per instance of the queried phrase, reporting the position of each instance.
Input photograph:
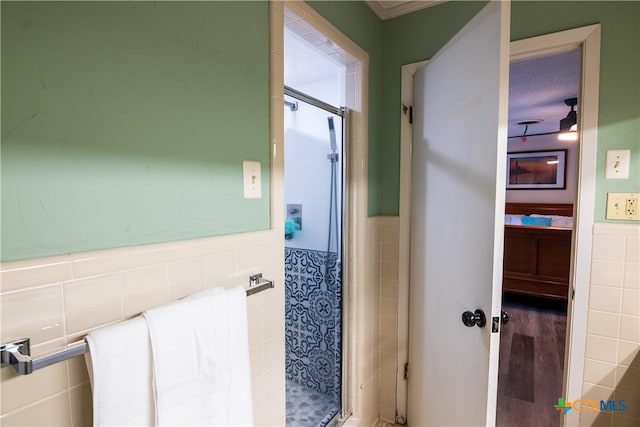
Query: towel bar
(18, 353)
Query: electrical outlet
(623, 206)
(631, 206)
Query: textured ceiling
(538, 88)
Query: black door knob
(504, 317)
(474, 319)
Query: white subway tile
(600, 348)
(633, 250)
(606, 273)
(81, 405)
(53, 411)
(608, 248)
(389, 252)
(273, 321)
(220, 244)
(388, 308)
(628, 379)
(248, 262)
(144, 288)
(631, 276)
(78, 373)
(603, 324)
(163, 253)
(627, 352)
(274, 380)
(23, 274)
(274, 351)
(220, 269)
(108, 261)
(389, 289)
(92, 302)
(596, 392)
(630, 328)
(21, 390)
(621, 420)
(599, 373)
(36, 313)
(605, 299)
(186, 277)
(595, 419)
(631, 302)
(632, 408)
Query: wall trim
(357, 236)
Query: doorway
(587, 39)
(314, 159)
(538, 236)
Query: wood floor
(531, 362)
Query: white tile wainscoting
(57, 300)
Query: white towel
(241, 410)
(194, 345)
(119, 364)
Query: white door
(457, 216)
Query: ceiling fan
(572, 117)
(567, 129)
(569, 125)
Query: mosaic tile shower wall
(313, 320)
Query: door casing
(588, 40)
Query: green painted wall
(358, 22)
(419, 35)
(126, 123)
(619, 105)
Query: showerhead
(332, 135)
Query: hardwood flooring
(531, 362)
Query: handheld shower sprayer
(332, 135)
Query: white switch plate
(617, 164)
(251, 180)
(623, 206)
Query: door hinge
(409, 110)
(406, 371)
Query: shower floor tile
(308, 408)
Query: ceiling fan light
(570, 135)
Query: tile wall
(388, 242)
(56, 301)
(612, 362)
(313, 302)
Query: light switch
(617, 164)
(251, 180)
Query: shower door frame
(343, 113)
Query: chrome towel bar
(18, 353)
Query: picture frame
(537, 170)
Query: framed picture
(536, 170)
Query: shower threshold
(309, 408)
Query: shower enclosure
(313, 259)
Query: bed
(537, 249)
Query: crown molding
(393, 8)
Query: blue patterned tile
(313, 320)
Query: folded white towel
(194, 349)
(240, 410)
(119, 364)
